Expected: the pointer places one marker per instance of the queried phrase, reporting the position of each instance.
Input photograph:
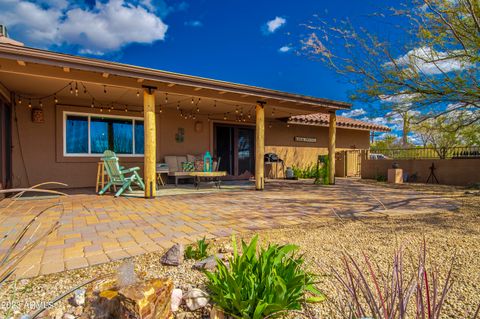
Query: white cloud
(428, 61)
(194, 23)
(105, 27)
(273, 25)
(354, 113)
(285, 49)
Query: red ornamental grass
(363, 291)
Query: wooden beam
(150, 156)
(222, 92)
(140, 80)
(105, 75)
(170, 85)
(66, 69)
(332, 134)
(259, 146)
(197, 89)
(21, 63)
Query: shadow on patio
(98, 229)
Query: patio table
(207, 176)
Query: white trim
(89, 116)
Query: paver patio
(97, 229)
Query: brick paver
(98, 229)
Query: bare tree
(430, 65)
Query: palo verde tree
(428, 61)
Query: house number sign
(305, 139)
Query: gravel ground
(449, 236)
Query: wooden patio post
(332, 134)
(150, 157)
(259, 145)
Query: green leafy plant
(261, 285)
(199, 252)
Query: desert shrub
(267, 283)
(363, 291)
(381, 178)
(198, 252)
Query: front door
(235, 146)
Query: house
(60, 112)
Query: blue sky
(251, 42)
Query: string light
(288, 125)
(55, 98)
(225, 117)
(198, 109)
(273, 111)
(192, 101)
(71, 88)
(29, 103)
(76, 89)
(236, 109)
(215, 103)
(270, 125)
(40, 103)
(19, 100)
(193, 117)
(105, 89)
(126, 109)
(160, 109)
(178, 106)
(166, 98)
(138, 93)
(101, 109)
(93, 103)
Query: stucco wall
(281, 140)
(38, 147)
(459, 172)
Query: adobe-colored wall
(42, 144)
(460, 172)
(280, 140)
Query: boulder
(209, 263)
(147, 299)
(196, 299)
(173, 256)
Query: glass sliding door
(235, 146)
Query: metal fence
(426, 153)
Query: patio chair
(117, 177)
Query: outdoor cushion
(180, 160)
(188, 166)
(199, 165)
(171, 161)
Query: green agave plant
(269, 283)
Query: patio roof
(320, 119)
(47, 64)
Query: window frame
(89, 116)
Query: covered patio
(44, 85)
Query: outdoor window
(93, 134)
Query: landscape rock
(68, 316)
(209, 263)
(196, 299)
(226, 249)
(185, 315)
(216, 313)
(78, 311)
(173, 256)
(78, 297)
(147, 299)
(177, 296)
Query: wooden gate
(353, 163)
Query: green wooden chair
(117, 176)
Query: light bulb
(55, 98)
(192, 100)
